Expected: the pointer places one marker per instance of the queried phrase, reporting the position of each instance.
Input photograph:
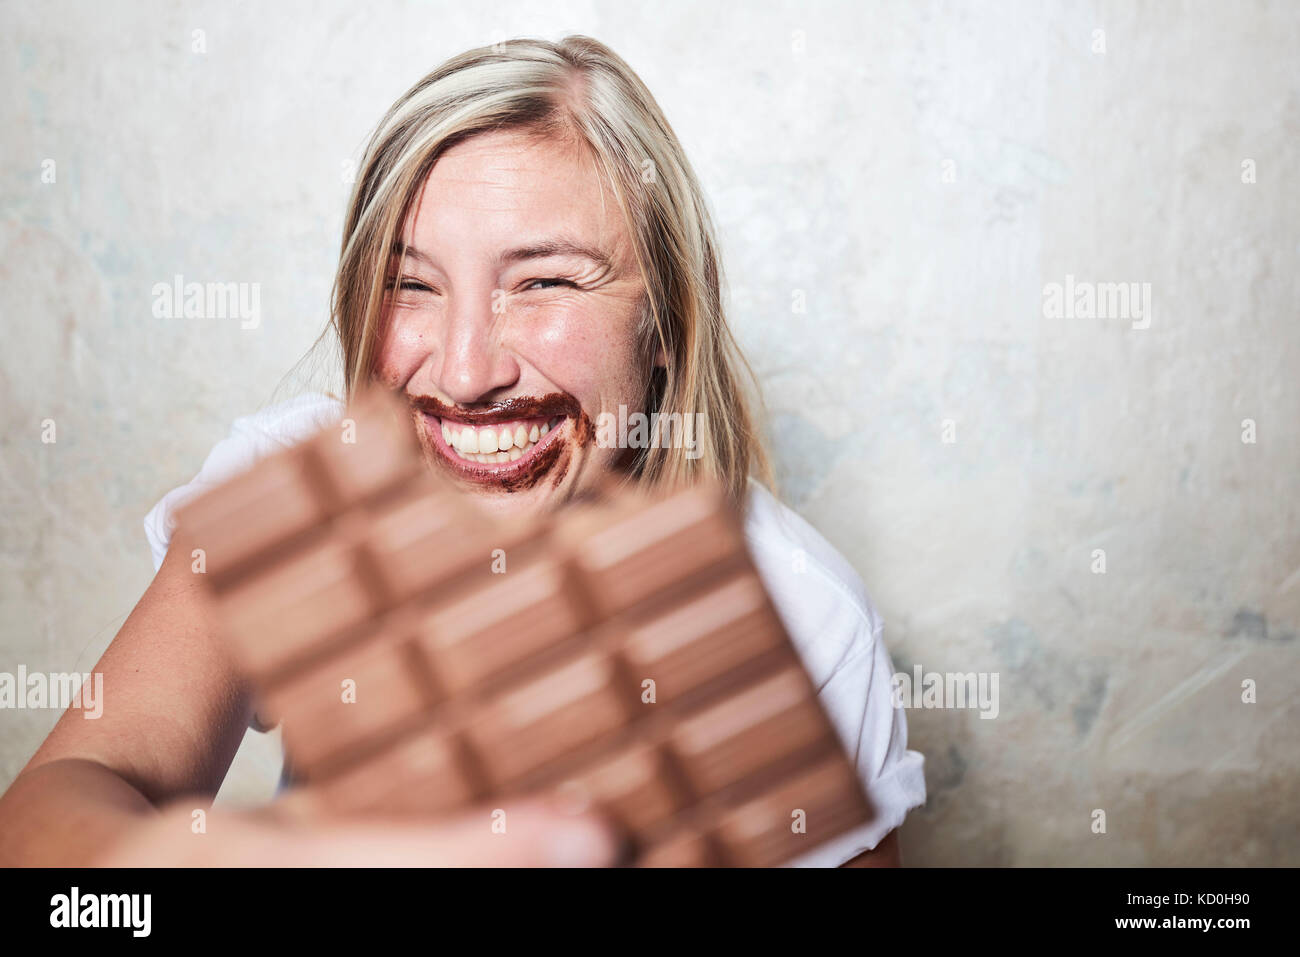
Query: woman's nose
(475, 362)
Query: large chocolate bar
(422, 656)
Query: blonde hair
(580, 88)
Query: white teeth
(493, 446)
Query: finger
(523, 834)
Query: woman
(527, 254)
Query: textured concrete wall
(897, 185)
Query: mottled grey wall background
(914, 175)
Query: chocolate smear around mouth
(507, 410)
(583, 432)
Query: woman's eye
(548, 283)
(408, 285)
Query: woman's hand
(535, 834)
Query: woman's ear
(661, 360)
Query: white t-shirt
(816, 592)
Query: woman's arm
(175, 710)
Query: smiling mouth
(497, 450)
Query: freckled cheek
(403, 348)
(585, 355)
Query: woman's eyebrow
(556, 247)
(400, 249)
(539, 250)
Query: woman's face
(513, 324)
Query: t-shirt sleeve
(251, 438)
(858, 699)
(839, 637)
